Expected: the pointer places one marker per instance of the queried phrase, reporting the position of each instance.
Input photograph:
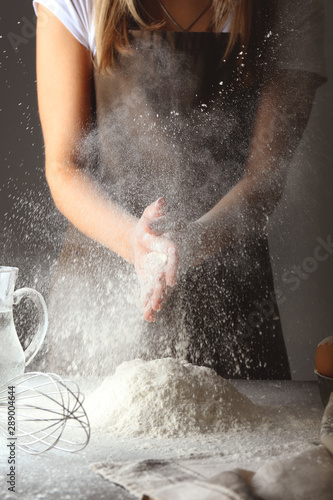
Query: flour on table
(168, 398)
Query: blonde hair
(112, 20)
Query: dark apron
(171, 120)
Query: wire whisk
(46, 412)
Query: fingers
(158, 257)
(153, 304)
(172, 266)
(159, 225)
(154, 299)
(149, 314)
(154, 211)
(157, 244)
(166, 255)
(154, 293)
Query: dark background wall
(304, 216)
(31, 230)
(30, 227)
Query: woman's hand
(155, 260)
(185, 235)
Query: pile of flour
(167, 398)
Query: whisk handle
(39, 336)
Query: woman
(170, 136)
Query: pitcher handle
(39, 302)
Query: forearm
(282, 115)
(79, 198)
(241, 212)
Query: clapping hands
(163, 250)
(156, 259)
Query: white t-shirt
(78, 17)
(300, 44)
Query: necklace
(175, 22)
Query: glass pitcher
(13, 359)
